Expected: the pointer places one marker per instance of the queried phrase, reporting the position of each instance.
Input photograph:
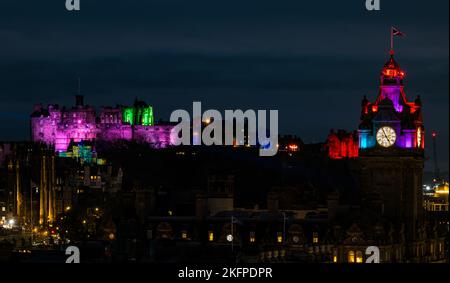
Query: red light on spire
(433, 134)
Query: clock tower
(391, 143)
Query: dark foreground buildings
(136, 198)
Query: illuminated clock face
(386, 136)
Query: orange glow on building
(293, 147)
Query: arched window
(351, 256)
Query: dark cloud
(313, 61)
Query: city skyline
(322, 138)
(228, 56)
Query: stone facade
(57, 127)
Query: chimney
(37, 107)
(79, 100)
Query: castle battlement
(57, 126)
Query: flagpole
(392, 40)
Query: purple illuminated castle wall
(57, 126)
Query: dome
(386, 103)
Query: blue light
(363, 142)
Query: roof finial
(79, 86)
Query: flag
(395, 31)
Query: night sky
(311, 60)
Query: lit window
(184, 235)
(210, 236)
(279, 237)
(3, 208)
(351, 257)
(359, 257)
(315, 238)
(335, 255)
(252, 237)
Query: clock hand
(386, 135)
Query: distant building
(57, 127)
(342, 144)
(438, 200)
